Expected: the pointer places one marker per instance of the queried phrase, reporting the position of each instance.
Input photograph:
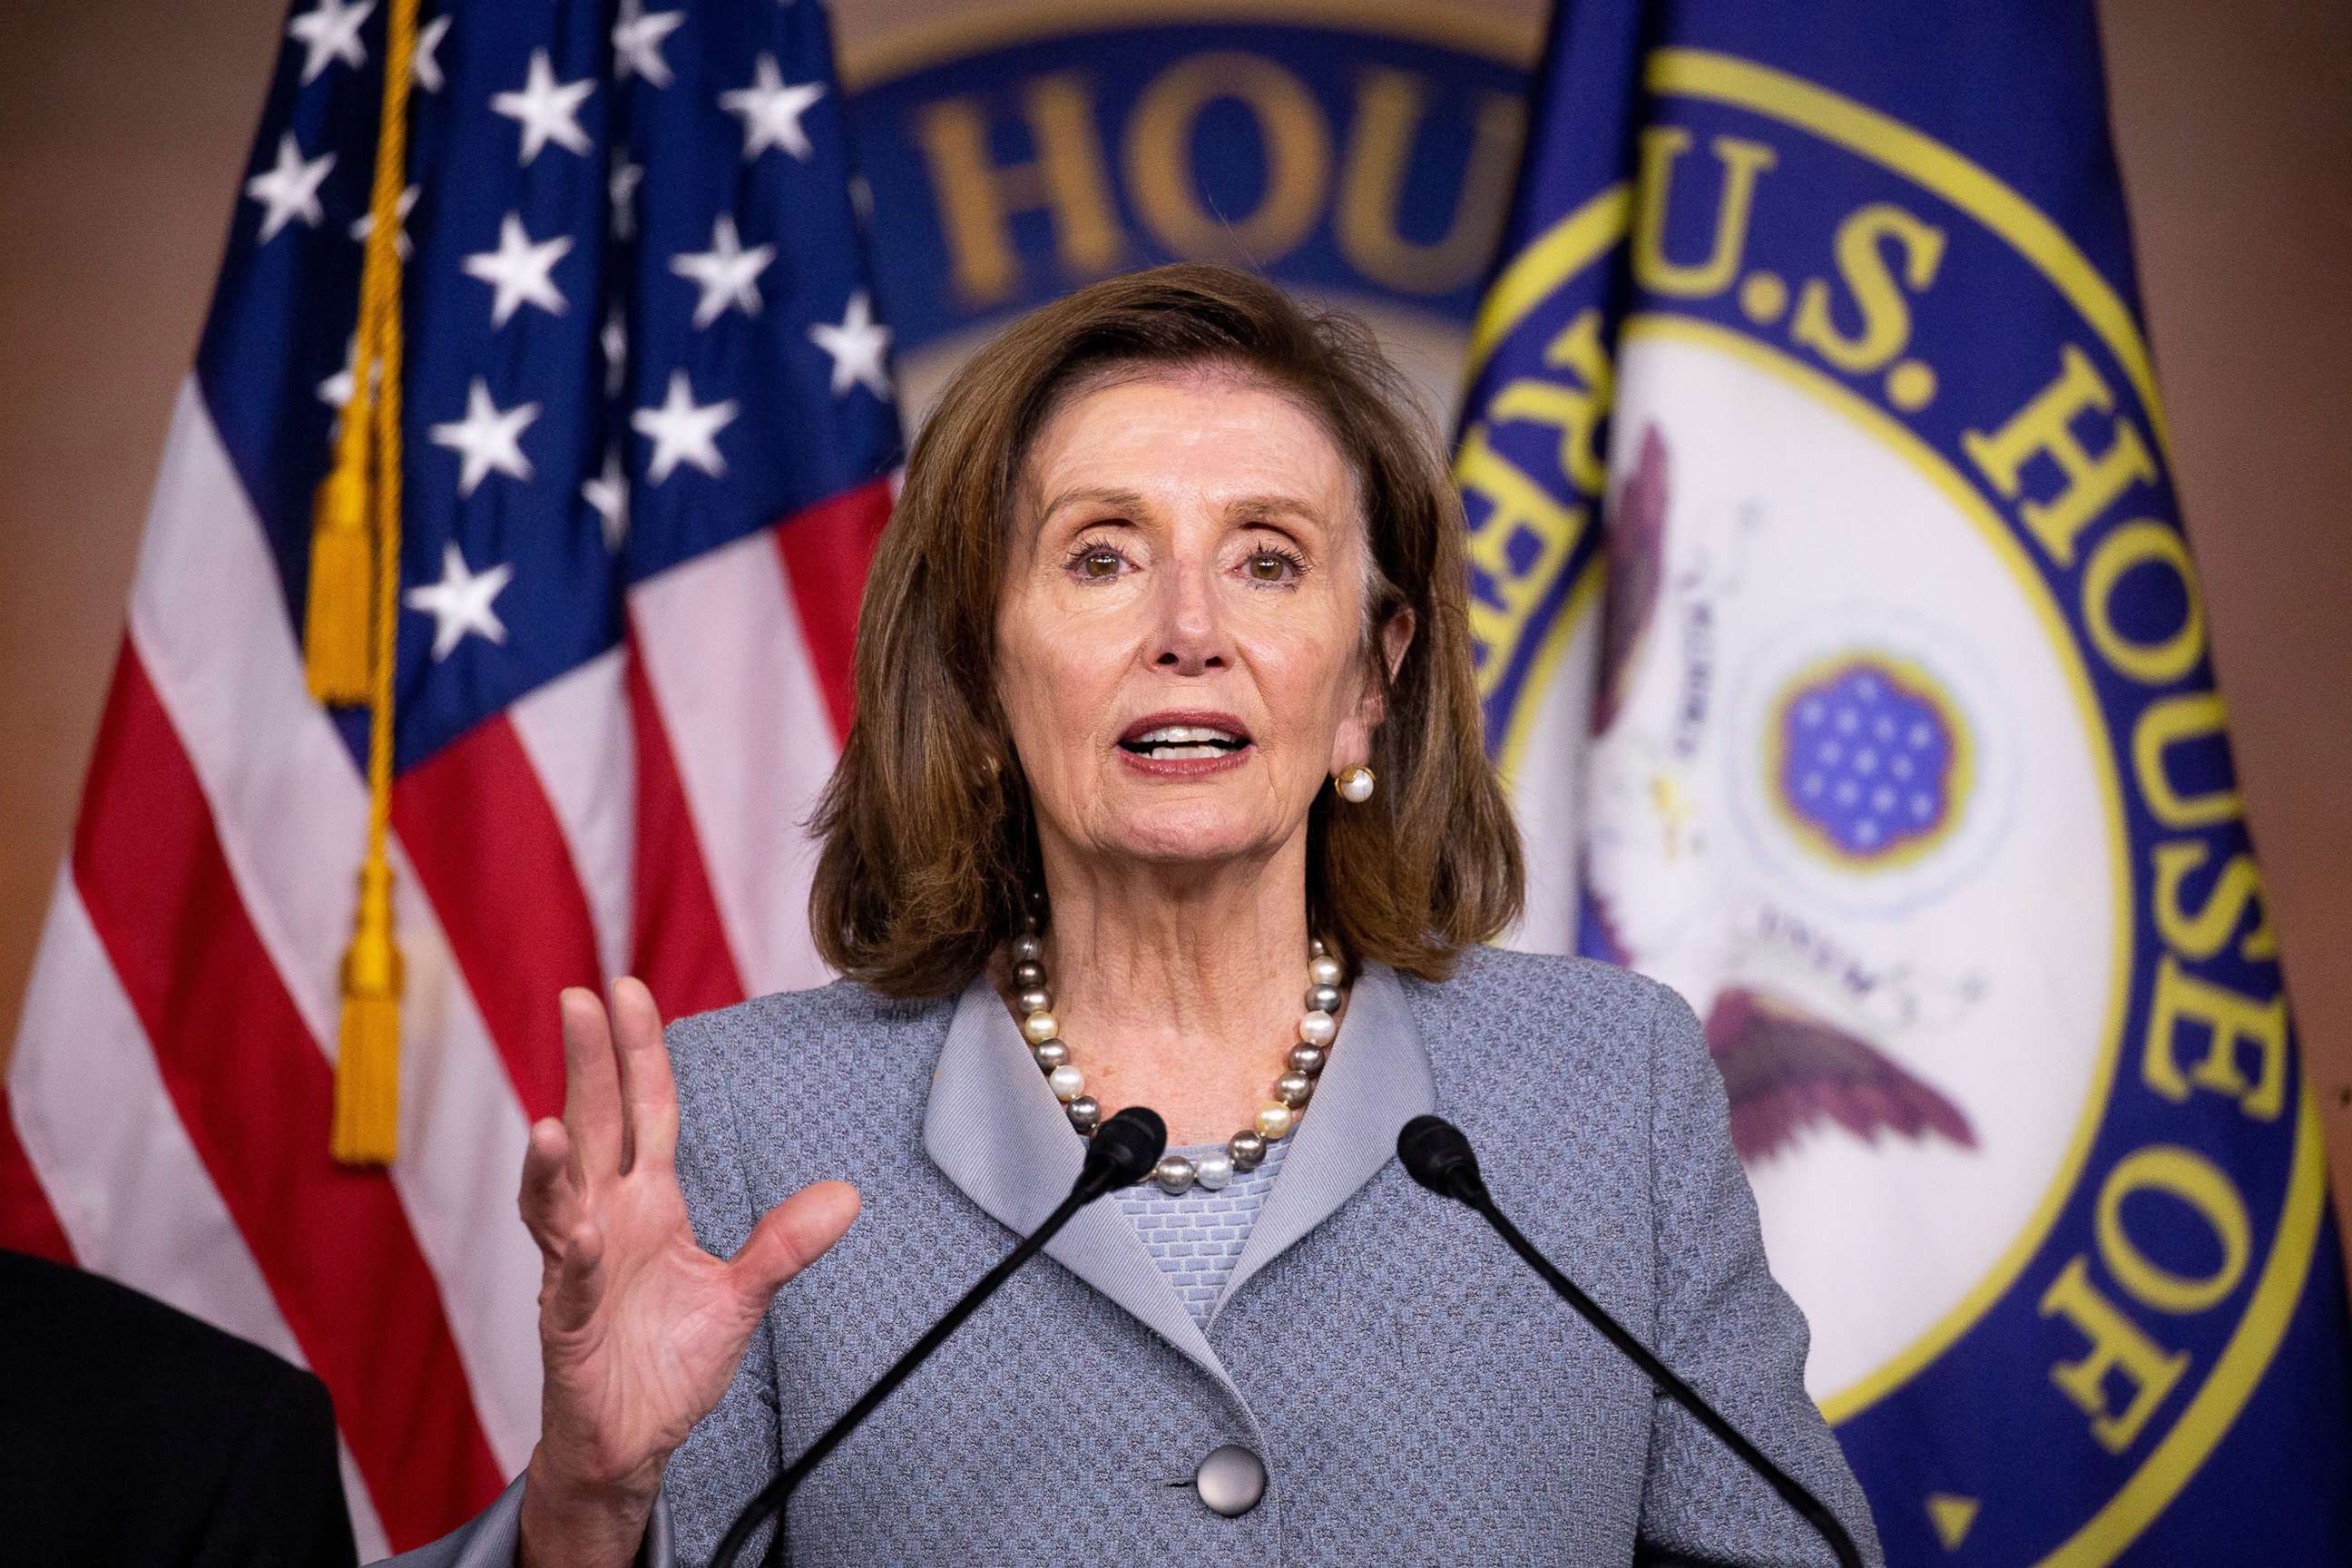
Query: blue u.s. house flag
(1840, 640)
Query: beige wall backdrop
(123, 132)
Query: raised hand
(640, 1329)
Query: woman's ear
(1395, 638)
(1352, 747)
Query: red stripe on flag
(255, 1095)
(491, 856)
(827, 549)
(680, 945)
(27, 1222)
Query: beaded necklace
(1244, 1148)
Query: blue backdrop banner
(1829, 559)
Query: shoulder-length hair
(929, 857)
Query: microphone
(1121, 1153)
(1438, 1156)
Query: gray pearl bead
(1323, 999)
(1028, 973)
(1086, 1113)
(1174, 1174)
(1247, 1148)
(1036, 1000)
(1294, 1089)
(1027, 949)
(1050, 1054)
(1307, 1058)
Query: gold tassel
(335, 619)
(367, 1059)
(367, 1129)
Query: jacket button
(1230, 1480)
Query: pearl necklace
(1245, 1148)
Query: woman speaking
(1165, 789)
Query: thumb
(791, 1236)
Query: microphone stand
(1444, 1165)
(1137, 1140)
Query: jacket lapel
(995, 1130)
(1376, 1081)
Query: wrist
(578, 1522)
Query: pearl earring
(1354, 784)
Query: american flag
(647, 442)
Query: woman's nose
(1190, 637)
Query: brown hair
(929, 844)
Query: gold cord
(367, 1061)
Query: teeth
(1182, 734)
(1183, 754)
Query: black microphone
(1122, 1152)
(1438, 1156)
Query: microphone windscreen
(1124, 1148)
(1433, 1149)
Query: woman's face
(1179, 629)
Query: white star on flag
(608, 492)
(547, 110)
(290, 189)
(518, 270)
(460, 603)
(615, 341)
(364, 225)
(328, 33)
(771, 111)
(423, 65)
(727, 274)
(638, 39)
(856, 345)
(335, 392)
(488, 437)
(682, 432)
(626, 177)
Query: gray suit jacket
(1418, 1395)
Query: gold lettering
(2232, 1020)
(2204, 933)
(1388, 110)
(1158, 158)
(2044, 427)
(2138, 543)
(2117, 1346)
(1522, 514)
(979, 197)
(2163, 725)
(1575, 411)
(1743, 162)
(2196, 1181)
(1877, 294)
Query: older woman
(1166, 789)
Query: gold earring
(1355, 786)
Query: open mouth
(1185, 737)
(1184, 743)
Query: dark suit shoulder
(68, 1312)
(229, 1447)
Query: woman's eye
(1274, 566)
(1095, 562)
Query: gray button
(1230, 1480)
